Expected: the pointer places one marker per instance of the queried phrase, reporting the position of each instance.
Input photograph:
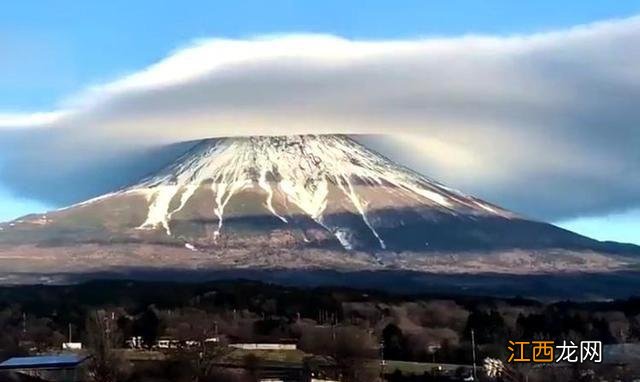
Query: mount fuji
(295, 202)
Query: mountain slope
(300, 194)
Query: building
(72, 346)
(52, 368)
(265, 346)
(167, 343)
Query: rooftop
(43, 362)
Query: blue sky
(50, 50)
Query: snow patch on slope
(267, 188)
(360, 205)
(160, 199)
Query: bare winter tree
(103, 337)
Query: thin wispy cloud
(545, 124)
(17, 120)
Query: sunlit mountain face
(300, 202)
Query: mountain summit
(326, 183)
(301, 201)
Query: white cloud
(545, 124)
(17, 120)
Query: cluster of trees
(347, 325)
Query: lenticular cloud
(544, 124)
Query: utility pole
(473, 352)
(382, 358)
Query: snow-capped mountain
(312, 197)
(309, 177)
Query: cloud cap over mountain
(544, 124)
